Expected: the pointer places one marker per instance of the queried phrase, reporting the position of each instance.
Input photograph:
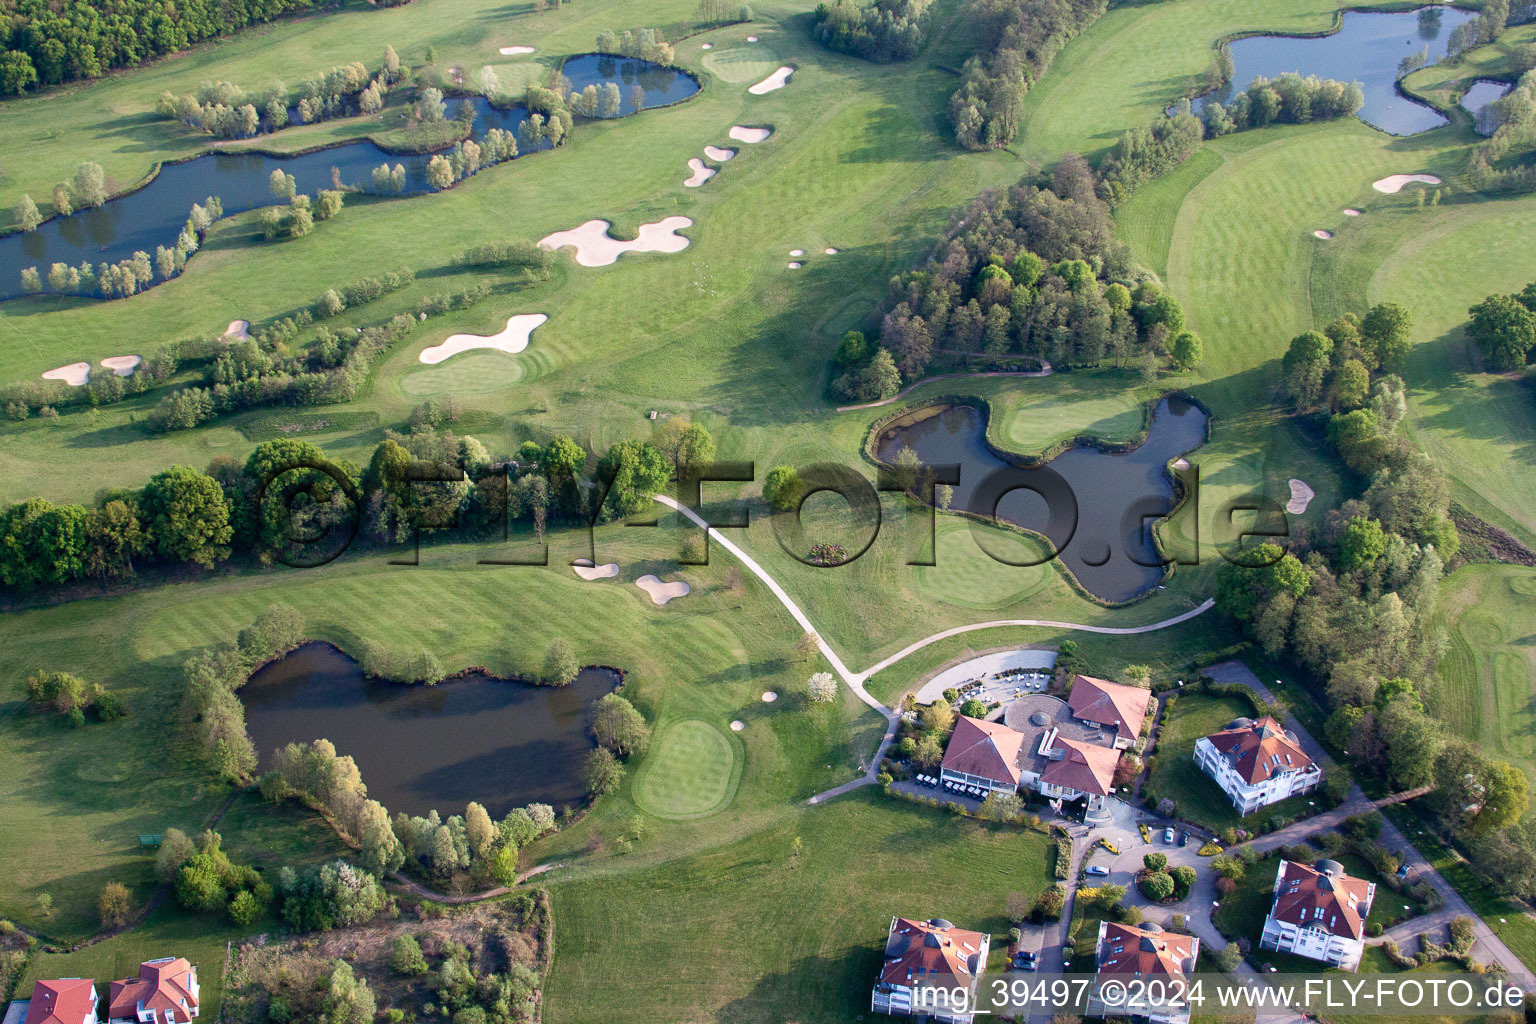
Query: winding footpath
(856, 680)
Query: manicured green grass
(1486, 679)
(1176, 775)
(747, 933)
(691, 772)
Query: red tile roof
(162, 985)
(67, 1001)
(1122, 708)
(989, 750)
(931, 953)
(1086, 767)
(1322, 897)
(1124, 949)
(1260, 750)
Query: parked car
(1167, 835)
(1098, 869)
(1183, 838)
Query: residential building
(1121, 709)
(1319, 913)
(165, 992)
(1257, 763)
(1147, 953)
(64, 1001)
(926, 963)
(1040, 745)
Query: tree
(1363, 543)
(618, 725)
(439, 173)
(563, 458)
(282, 184)
(176, 848)
(479, 831)
(807, 648)
(186, 517)
(1503, 330)
(88, 186)
(852, 349)
(1385, 332)
(405, 957)
(1351, 384)
(27, 217)
(348, 1000)
(973, 708)
(391, 62)
(783, 489)
(328, 203)
(504, 865)
(633, 472)
(929, 753)
(938, 717)
(685, 444)
(115, 905)
(822, 688)
(560, 668)
(1186, 351)
(16, 72)
(45, 903)
(603, 772)
(1156, 886)
(430, 106)
(1305, 366)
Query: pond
(154, 214)
(1481, 94)
(1112, 490)
(1367, 49)
(501, 743)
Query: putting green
(690, 772)
(468, 373)
(967, 576)
(744, 62)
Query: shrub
(1049, 906)
(1156, 885)
(1155, 861)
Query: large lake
(1367, 49)
(498, 742)
(154, 214)
(1112, 490)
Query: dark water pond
(1113, 491)
(502, 743)
(1479, 96)
(1367, 49)
(154, 214)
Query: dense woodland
(1037, 271)
(883, 31)
(1017, 40)
(45, 43)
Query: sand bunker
(795, 266)
(596, 248)
(1393, 183)
(1320, 233)
(706, 46)
(1180, 463)
(123, 366)
(701, 174)
(515, 51)
(769, 696)
(512, 339)
(1301, 497)
(238, 330)
(750, 135)
(75, 374)
(661, 592)
(719, 154)
(1351, 212)
(751, 39)
(777, 80)
(738, 725)
(797, 252)
(584, 568)
(830, 252)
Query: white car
(1098, 869)
(1167, 835)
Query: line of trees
(645, 43)
(1018, 39)
(881, 31)
(1035, 270)
(1286, 99)
(45, 43)
(125, 277)
(1512, 121)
